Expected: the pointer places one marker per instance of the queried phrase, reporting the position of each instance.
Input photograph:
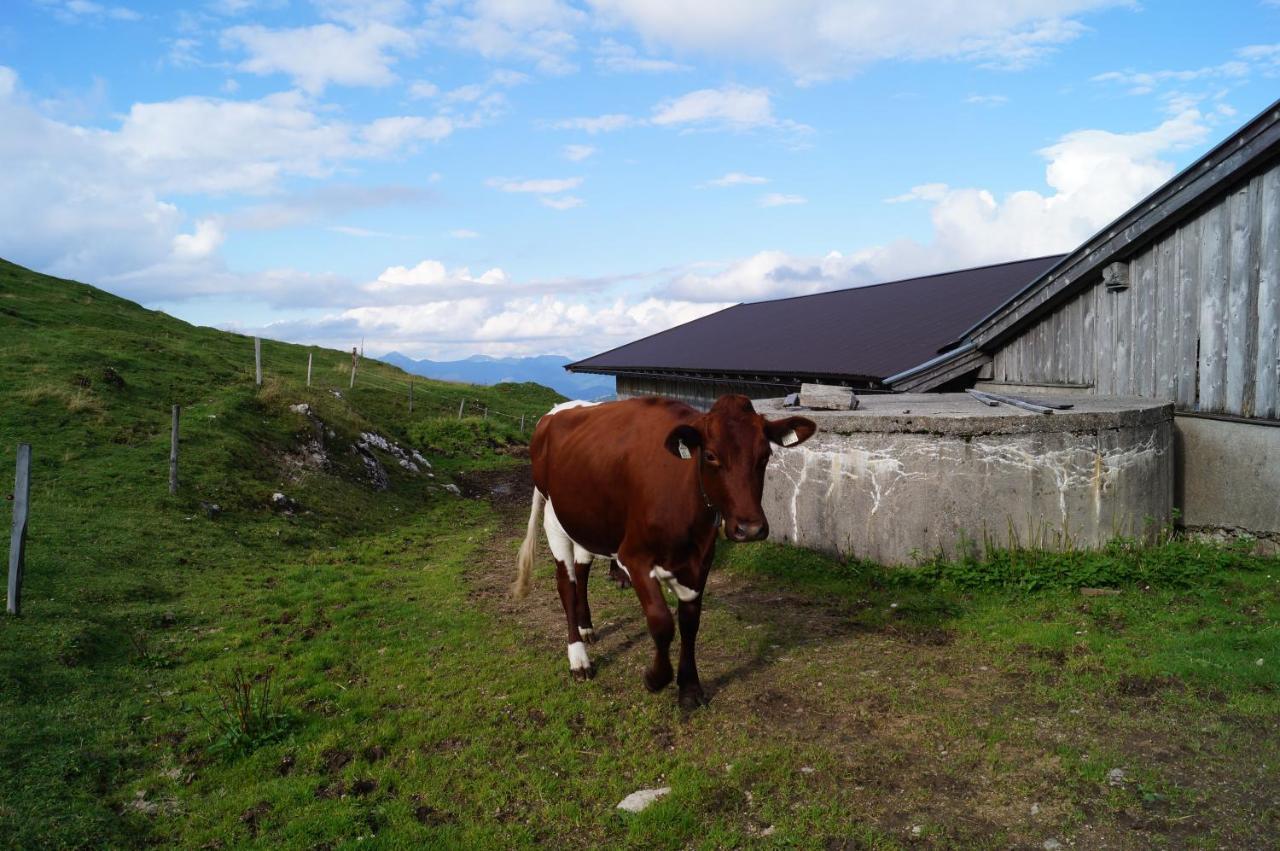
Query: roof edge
(1178, 199)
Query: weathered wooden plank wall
(700, 394)
(1199, 323)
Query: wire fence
(426, 397)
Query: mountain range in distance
(547, 370)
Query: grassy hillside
(117, 568)
(347, 670)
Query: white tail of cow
(524, 561)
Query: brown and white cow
(649, 483)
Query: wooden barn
(1176, 300)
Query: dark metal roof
(863, 333)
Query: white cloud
(777, 199)
(535, 31)
(201, 244)
(597, 124)
(545, 186)
(1253, 59)
(92, 203)
(737, 178)
(621, 58)
(733, 107)
(362, 233)
(923, 192)
(463, 233)
(987, 100)
(318, 55)
(75, 11)
(423, 90)
(816, 39)
(578, 153)
(360, 12)
(1094, 175)
(562, 202)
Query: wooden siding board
(1106, 340)
(1142, 334)
(1166, 340)
(1188, 277)
(1267, 360)
(1213, 300)
(1238, 354)
(1122, 338)
(1088, 339)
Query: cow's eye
(710, 458)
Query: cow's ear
(790, 432)
(683, 441)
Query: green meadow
(343, 668)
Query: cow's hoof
(588, 635)
(656, 682)
(584, 674)
(692, 697)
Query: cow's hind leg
(579, 662)
(562, 549)
(618, 575)
(582, 572)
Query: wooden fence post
(522, 423)
(354, 358)
(257, 359)
(486, 412)
(411, 395)
(309, 369)
(462, 404)
(173, 451)
(18, 543)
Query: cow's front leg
(662, 627)
(690, 615)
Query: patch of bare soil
(925, 736)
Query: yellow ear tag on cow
(684, 450)
(790, 438)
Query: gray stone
(640, 800)
(827, 397)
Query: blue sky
(561, 176)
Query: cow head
(735, 444)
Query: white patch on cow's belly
(563, 548)
(558, 539)
(578, 658)
(683, 593)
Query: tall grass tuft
(247, 715)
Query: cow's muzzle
(742, 532)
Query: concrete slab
(907, 476)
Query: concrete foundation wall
(1228, 475)
(909, 475)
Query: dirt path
(925, 735)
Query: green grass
(978, 703)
